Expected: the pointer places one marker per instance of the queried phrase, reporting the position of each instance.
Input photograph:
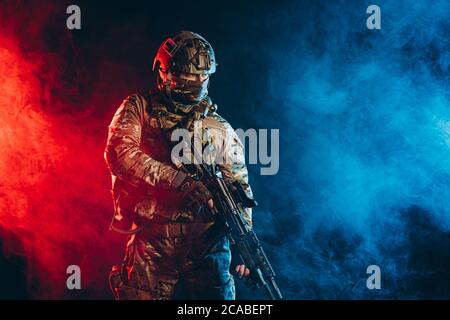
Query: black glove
(194, 193)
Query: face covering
(189, 91)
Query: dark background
(364, 137)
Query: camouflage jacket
(138, 155)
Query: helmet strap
(169, 91)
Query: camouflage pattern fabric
(138, 154)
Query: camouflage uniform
(165, 245)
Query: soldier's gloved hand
(194, 193)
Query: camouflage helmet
(184, 53)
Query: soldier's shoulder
(139, 102)
(215, 120)
(139, 98)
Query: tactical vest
(137, 203)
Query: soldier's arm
(234, 168)
(123, 155)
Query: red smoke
(55, 204)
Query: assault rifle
(230, 201)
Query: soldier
(173, 238)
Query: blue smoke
(364, 120)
